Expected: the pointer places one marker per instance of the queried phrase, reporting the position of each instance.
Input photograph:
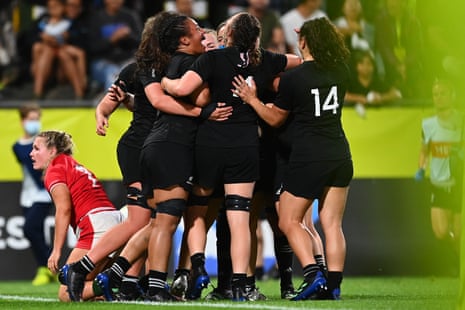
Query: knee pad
(237, 203)
(174, 207)
(195, 200)
(134, 196)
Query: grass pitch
(402, 293)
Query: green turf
(358, 293)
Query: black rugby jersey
(170, 127)
(218, 68)
(144, 113)
(315, 97)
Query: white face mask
(32, 127)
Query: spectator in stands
(8, 52)
(77, 39)
(115, 36)
(358, 33)
(293, 19)
(278, 42)
(186, 7)
(268, 20)
(34, 199)
(365, 86)
(398, 39)
(53, 53)
(50, 36)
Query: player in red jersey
(79, 198)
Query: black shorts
(308, 179)
(267, 169)
(166, 164)
(449, 198)
(129, 164)
(216, 166)
(282, 163)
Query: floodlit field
(358, 293)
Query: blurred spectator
(218, 11)
(77, 40)
(268, 19)
(398, 39)
(358, 33)
(445, 52)
(293, 19)
(8, 59)
(186, 7)
(365, 87)
(52, 29)
(35, 202)
(278, 42)
(114, 38)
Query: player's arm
(63, 205)
(109, 103)
(168, 104)
(292, 61)
(422, 160)
(353, 97)
(184, 86)
(201, 96)
(270, 113)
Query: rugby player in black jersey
(320, 164)
(227, 152)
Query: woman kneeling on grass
(79, 199)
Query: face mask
(32, 127)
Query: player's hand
(116, 93)
(246, 90)
(221, 113)
(53, 260)
(420, 175)
(102, 124)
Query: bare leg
(291, 214)
(317, 243)
(159, 249)
(239, 224)
(331, 214)
(42, 69)
(70, 70)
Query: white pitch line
(239, 305)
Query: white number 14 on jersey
(330, 103)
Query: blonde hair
(59, 139)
